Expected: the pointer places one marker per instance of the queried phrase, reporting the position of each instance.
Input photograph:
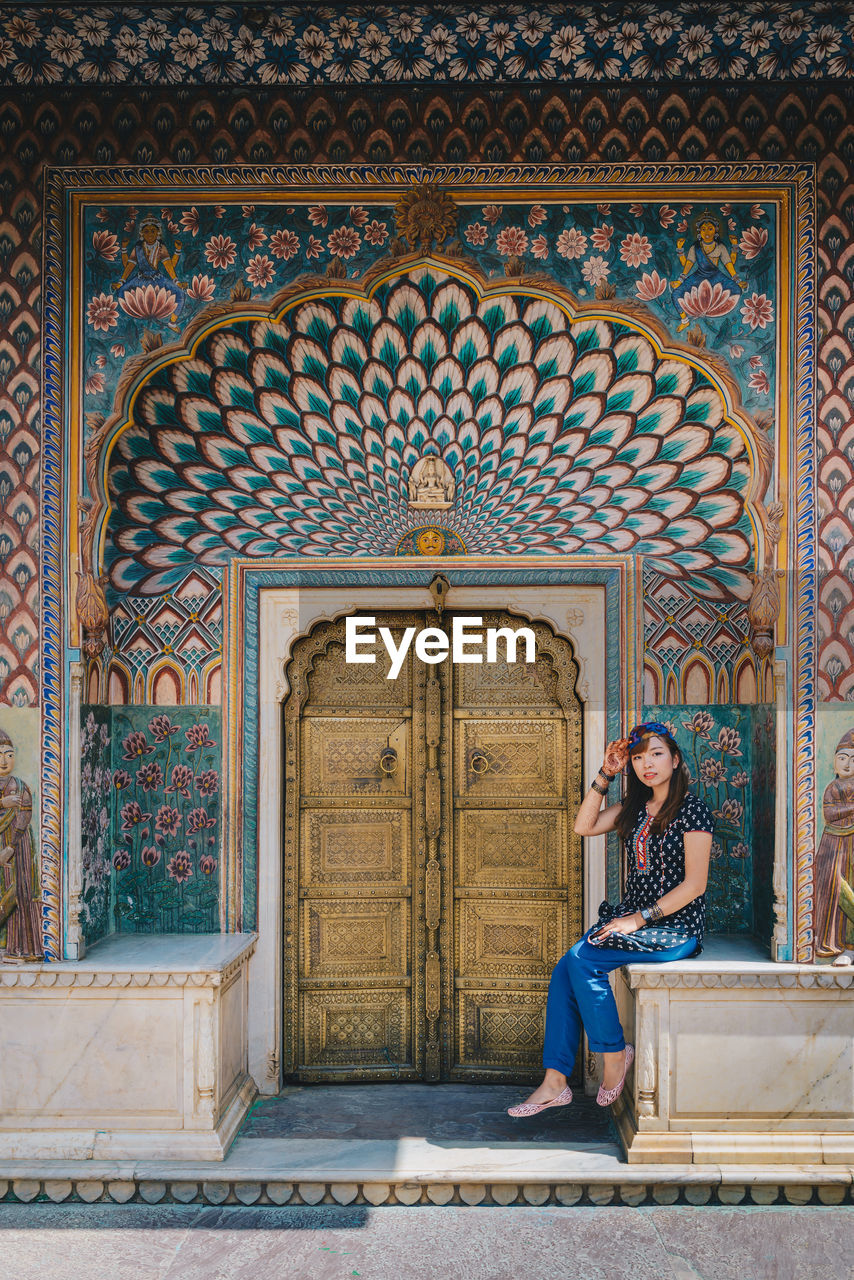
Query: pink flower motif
(635, 250)
(757, 311)
(358, 215)
(218, 210)
(168, 820)
(95, 384)
(190, 220)
(150, 855)
(284, 244)
(132, 816)
(201, 288)
(731, 224)
(758, 380)
(260, 270)
(344, 242)
(317, 215)
(100, 362)
(707, 300)
(604, 209)
(121, 859)
(666, 215)
(685, 209)
(207, 864)
(102, 215)
(180, 867)
(752, 241)
(161, 728)
(220, 251)
(600, 237)
(736, 350)
(207, 782)
(376, 232)
(314, 248)
(149, 776)
(636, 209)
(725, 209)
(595, 270)
(255, 236)
(572, 243)
(540, 248)
(476, 233)
(121, 779)
(148, 302)
(198, 736)
(536, 216)
(182, 779)
(492, 212)
(117, 350)
(756, 211)
(172, 227)
(755, 362)
(106, 244)
(249, 211)
(650, 286)
(512, 240)
(682, 227)
(199, 820)
(102, 312)
(135, 745)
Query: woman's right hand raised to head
(616, 756)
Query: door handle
(478, 762)
(388, 761)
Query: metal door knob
(479, 763)
(388, 761)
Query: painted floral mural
(166, 819)
(96, 785)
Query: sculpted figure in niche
(431, 484)
(834, 863)
(19, 878)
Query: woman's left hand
(621, 924)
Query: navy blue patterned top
(657, 865)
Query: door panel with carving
(432, 878)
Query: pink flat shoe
(563, 1099)
(606, 1096)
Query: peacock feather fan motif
(299, 437)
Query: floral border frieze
(291, 45)
(774, 977)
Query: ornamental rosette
(425, 216)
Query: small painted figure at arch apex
(151, 263)
(20, 905)
(708, 259)
(668, 836)
(834, 862)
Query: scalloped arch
(567, 428)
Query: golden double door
(432, 876)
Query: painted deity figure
(19, 876)
(834, 863)
(431, 483)
(708, 259)
(150, 262)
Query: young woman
(668, 835)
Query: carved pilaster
(780, 937)
(75, 946)
(205, 1056)
(646, 1069)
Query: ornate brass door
(432, 878)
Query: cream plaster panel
(91, 1054)
(288, 612)
(232, 1046)
(782, 1058)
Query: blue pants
(580, 995)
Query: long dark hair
(637, 792)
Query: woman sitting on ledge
(668, 834)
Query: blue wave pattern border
(289, 45)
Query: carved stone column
(780, 937)
(75, 946)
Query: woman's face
(843, 764)
(707, 230)
(149, 233)
(652, 761)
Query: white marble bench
(137, 1051)
(739, 1060)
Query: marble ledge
(141, 960)
(738, 962)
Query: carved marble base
(738, 1061)
(139, 1051)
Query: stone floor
(185, 1242)
(438, 1113)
